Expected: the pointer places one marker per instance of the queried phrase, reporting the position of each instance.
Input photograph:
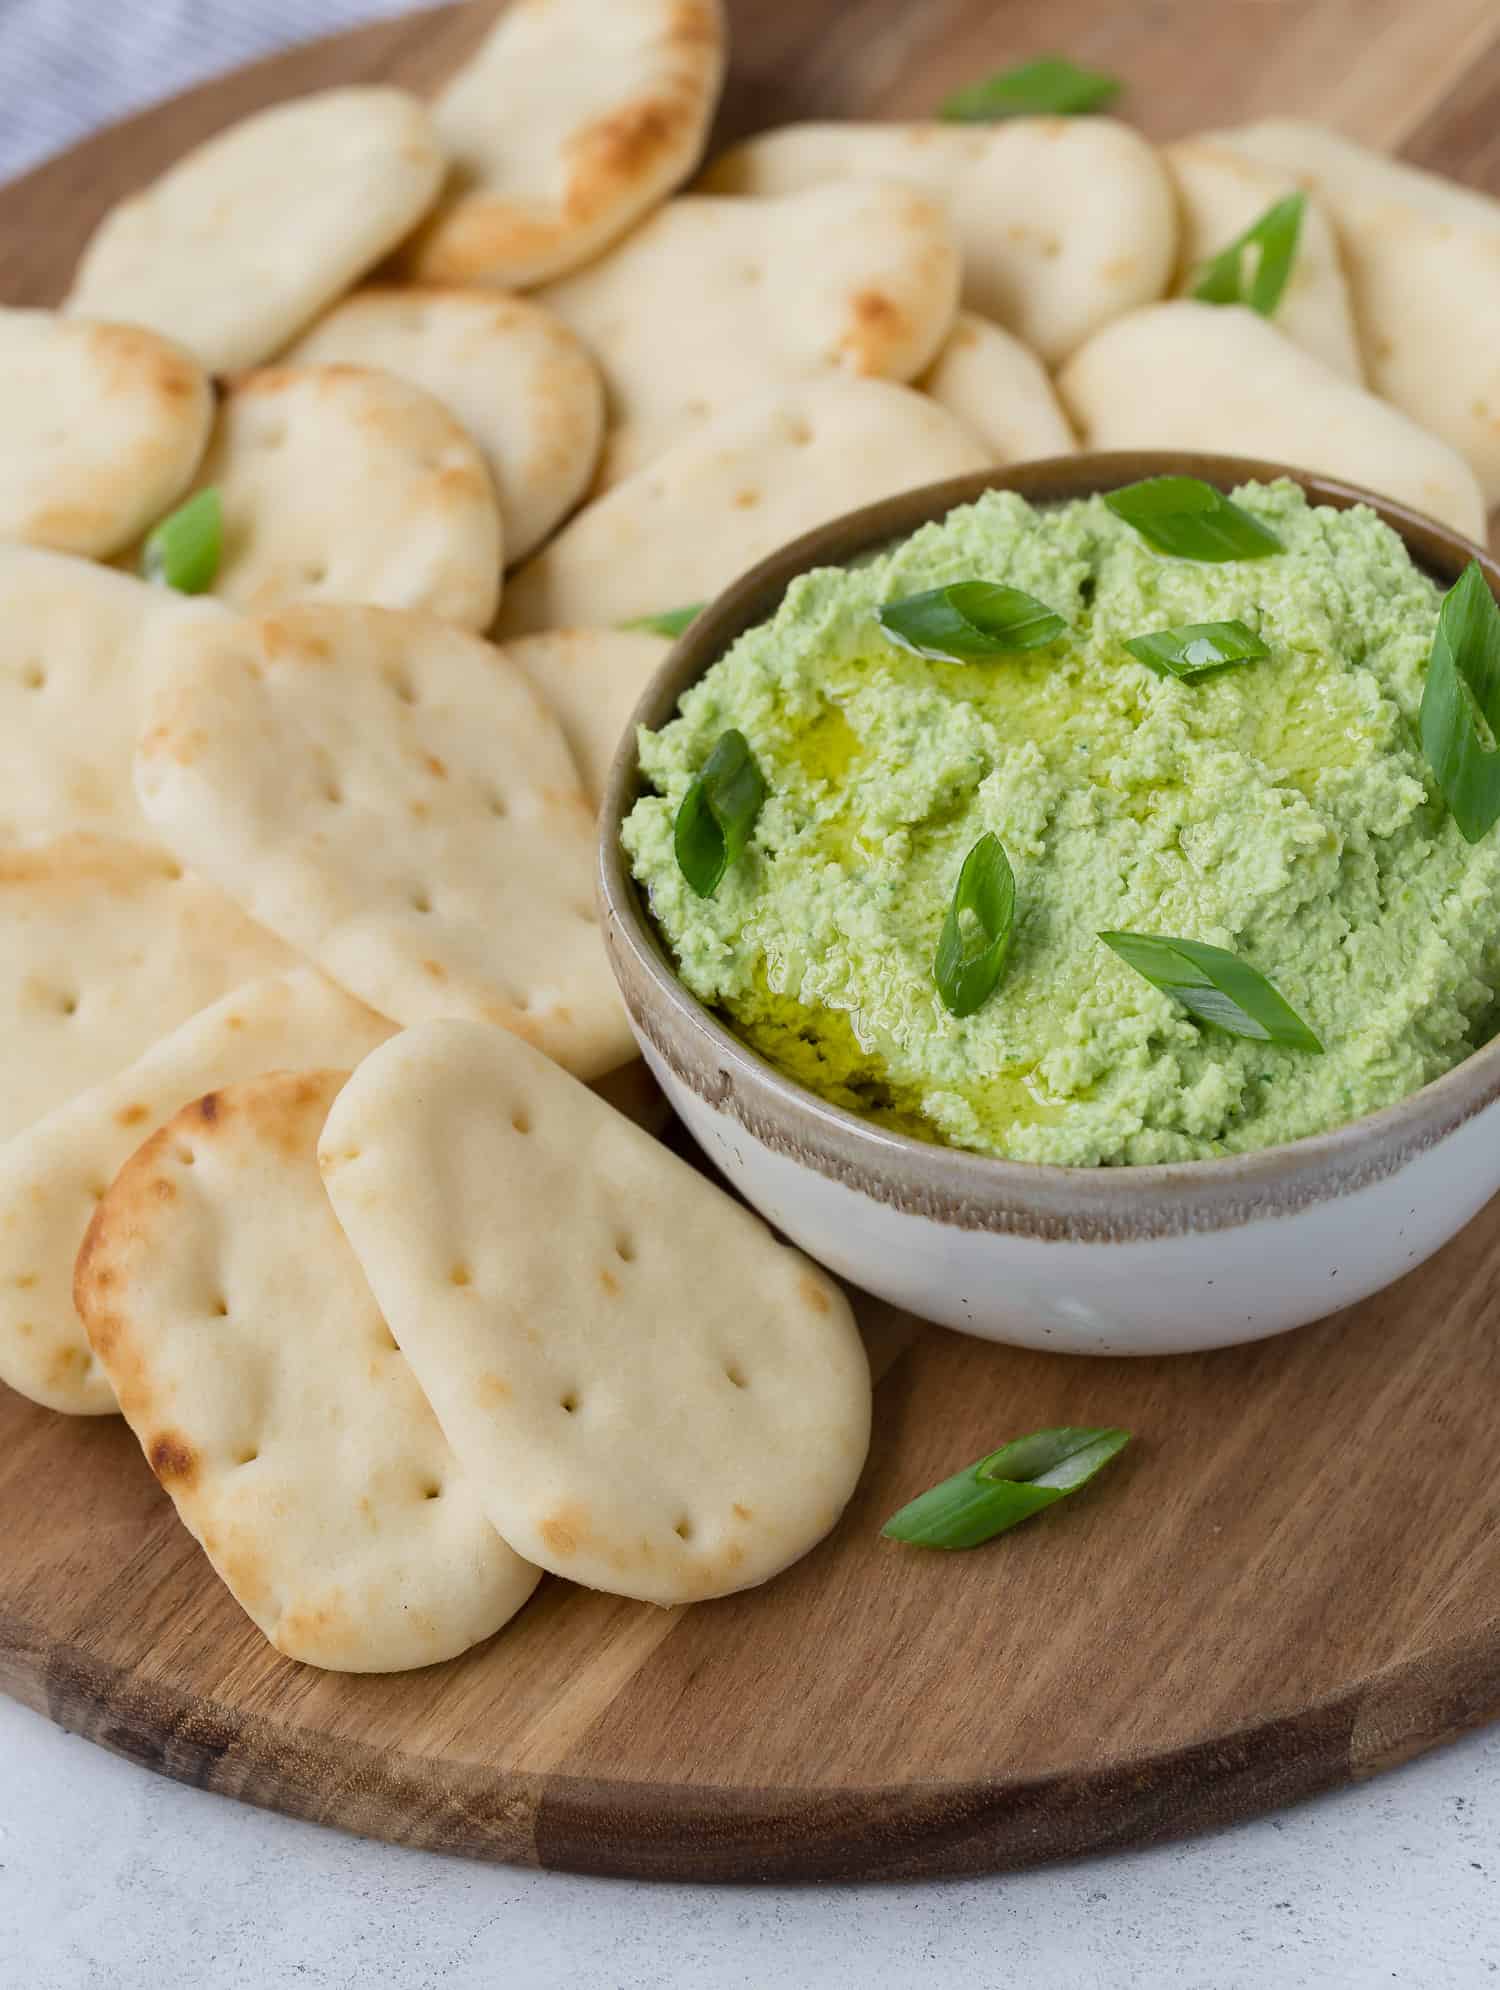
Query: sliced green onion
(183, 550)
(718, 812)
(1005, 1488)
(672, 623)
(1460, 719)
(970, 620)
(1272, 243)
(1198, 649)
(977, 932)
(1051, 86)
(1191, 520)
(1215, 986)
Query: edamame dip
(1277, 809)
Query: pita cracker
(391, 797)
(250, 235)
(53, 1175)
(999, 390)
(570, 122)
(517, 379)
(1064, 223)
(340, 483)
(271, 1401)
(653, 1395)
(681, 529)
(105, 946)
(71, 638)
(1423, 261)
(713, 300)
(103, 428)
(591, 680)
(1206, 376)
(1220, 194)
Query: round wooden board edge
(627, 1830)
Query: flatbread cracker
(71, 638)
(53, 1175)
(652, 1394)
(570, 122)
(1220, 194)
(999, 390)
(712, 300)
(270, 1400)
(105, 946)
(684, 527)
(591, 681)
(390, 796)
(518, 380)
(342, 483)
(1206, 376)
(250, 235)
(1064, 223)
(1423, 262)
(103, 428)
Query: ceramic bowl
(1144, 1260)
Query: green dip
(1281, 809)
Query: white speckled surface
(112, 1879)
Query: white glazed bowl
(1149, 1260)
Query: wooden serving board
(1290, 1581)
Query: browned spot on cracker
(741, 1512)
(610, 1283)
(163, 1190)
(565, 1531)
(435, 766)
(209, 1108)
(173, 1459)
(435, 969)
(813, 1292)
(132, 1115)
(491, 1390)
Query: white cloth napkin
(68, 65)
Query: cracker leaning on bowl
(654, 1396)
(252, 1362)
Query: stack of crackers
(313, 1161)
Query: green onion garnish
(970, 620)
(1198, 649)
(718, 812)
(1272, 242)
(1005, 1488)
(1191, 520)
(1216, 987)
(183, 550)
(1051, 86)
(672, 623)
(1460, 719)
(977, 932)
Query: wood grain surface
(1290, 1581)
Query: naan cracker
(342, 483)
(713, 300)
(105, 946)
(54, 1174)
(570, 122)
(391, 797)
(521, 384)
(681, 529)
(999, 390)
(1221, 193)
(102, 428)
(652, 1394)
(71, 638)
(591, 681)
(1064, 223)
(250, 235)
(270, 1400)
(1206, 376)
(1423, 261)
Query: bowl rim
(951, 1184)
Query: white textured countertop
(111, 1879)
